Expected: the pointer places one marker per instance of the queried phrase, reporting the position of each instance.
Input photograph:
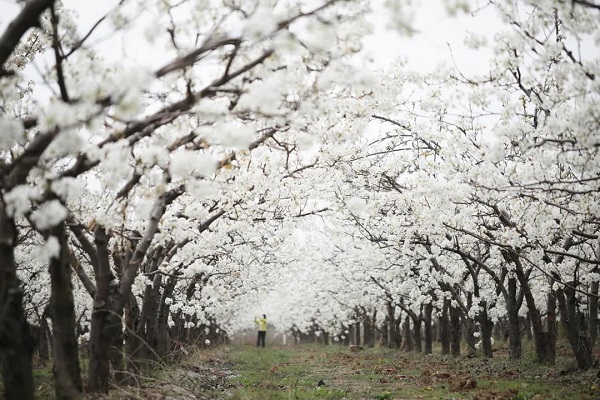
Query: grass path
(298, 372)
(332, 372)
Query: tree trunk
(418, 346)
(369, 328)
(16, 343)
(593, 299)
(65, 348)
(102, 321)
(514, 334)
(351, 335)
(579, 337)
(152, 327)
(43, 340)
(346, 340)
(455, 331)
(551, 323)
(407, 335)
(357, 334)
(368, 331)
(116, 356)
(395, 339)
(133, 342)
(162, 332)
(428, 333)
(542, 339)
(445, 328)
(526, 323)
(487, 327)
(385, 333)
(470, 327)
(148, 324)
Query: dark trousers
(261, 338)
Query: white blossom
(49, 214)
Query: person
(262, 330)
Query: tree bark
(470, 327)
(27, 18)
(542, 339)
(428, 332)
(133, 340)
(579, 337)
(487, 327)
(395, 339)
(44, 339)
(100, 335)
(514, 334)
(162, 331)
(593, 299)
(455, 331)
(65, 348)
(386, 336)
(357, 334)
(408, 337)
(418, 345)
(148, 326)
(551, 323)
(16, 342)
(445, 328)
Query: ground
(332, 372)
(317, 372)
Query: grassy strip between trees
(295, 373)
(333, 372)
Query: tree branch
(27, 18)
(60, 76)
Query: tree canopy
(236, 158)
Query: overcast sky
(434, 30)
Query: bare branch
(58, 57)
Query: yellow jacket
(262, 324)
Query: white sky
(435, 29)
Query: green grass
(43, 379)
(294, 372)
(281, 373)
(332, 372)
